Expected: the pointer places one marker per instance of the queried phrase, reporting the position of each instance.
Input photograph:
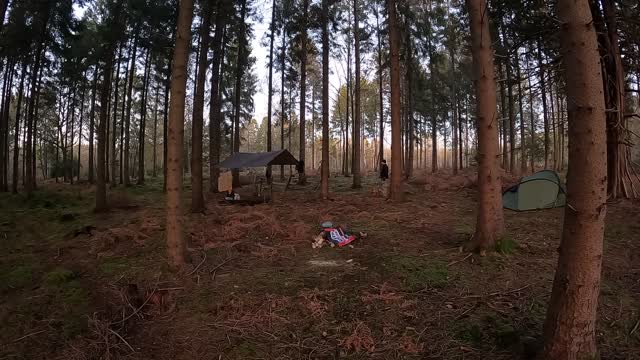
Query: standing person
(384, 171)
(300, 168)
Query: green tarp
(542, 190)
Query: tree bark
(490, 221)
(176, 243)
(197, 196)
(324, 171)
(571, 317)
(395, 190)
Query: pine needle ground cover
(76, 285)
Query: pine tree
(571, 317)
(490, 222)
(175, 238)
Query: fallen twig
(155, 287)
(121, 338)
(635, 327)
(172, 288)
(198, 267)
(427, 253)
(35, 333)
(497, 293)
(458, 261)
(220, 265)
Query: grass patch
(74, 302)
(18, 277)
(489, 331)
(506, 245)
(58, 276)
(418, 273)
(114, 266)
(470, 333)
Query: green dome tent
(542, 190)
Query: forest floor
(76, 285)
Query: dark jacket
(384, 172)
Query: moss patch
(16, 278)
(418, 273)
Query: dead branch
(220, 265)
(155, 287)
(499, 293)
(198, 267)
(121, 338)
(459, 261)
(40, 332)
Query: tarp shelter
(542, 190)
(250, 160)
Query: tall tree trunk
(142, 137)
(313, 127)
(69, 166)
(543, 94)
(395, 190)
(82, 98)
(512, 117)
(29, 153)
(553, 127)
(197, 196)
(155, 131)
(123, 115)
(357, 116)
(454, 111)
(272, 31)
(620, 173)
(215, 117)
(324, 171)
(532, 148)
(302, 179)
(176, 243)
(16, 135)
(490, 222)
(92, 125)
(503, 118)
(240, 64)
(127, 120)
(380, 88)
(523, 153)
(571, 317)
(101, 188)
(114, 130)
(282, 107)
